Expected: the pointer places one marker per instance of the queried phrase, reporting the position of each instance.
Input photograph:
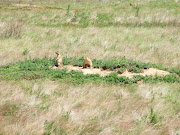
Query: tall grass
(11, 29)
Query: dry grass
(11, 29)
(155, 45)
(87, 109)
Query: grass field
(35, 99)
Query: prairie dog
(87, 63)
(58, 60)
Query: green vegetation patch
(42, 69)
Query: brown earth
(150, 71)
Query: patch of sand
(150, 71)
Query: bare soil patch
(148, 72)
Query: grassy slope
(102, 31)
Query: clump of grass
(121, 70)
(68, 9)
(51, 128)
(153, 117)
(135, 69)
(74, 19)
(114, 78)
(12, 29)
(35, 64)
(137, 78)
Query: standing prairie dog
(58, 60)
(87, 63)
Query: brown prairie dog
(87, 63)
(58, 60)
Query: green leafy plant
(137, 11)
(68, 9)
(137, 78)
(74, 19)
(114, 78)
(153, 117)
(121, 70)
(135, 69)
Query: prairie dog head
(86, 58)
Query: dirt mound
(150, 71)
